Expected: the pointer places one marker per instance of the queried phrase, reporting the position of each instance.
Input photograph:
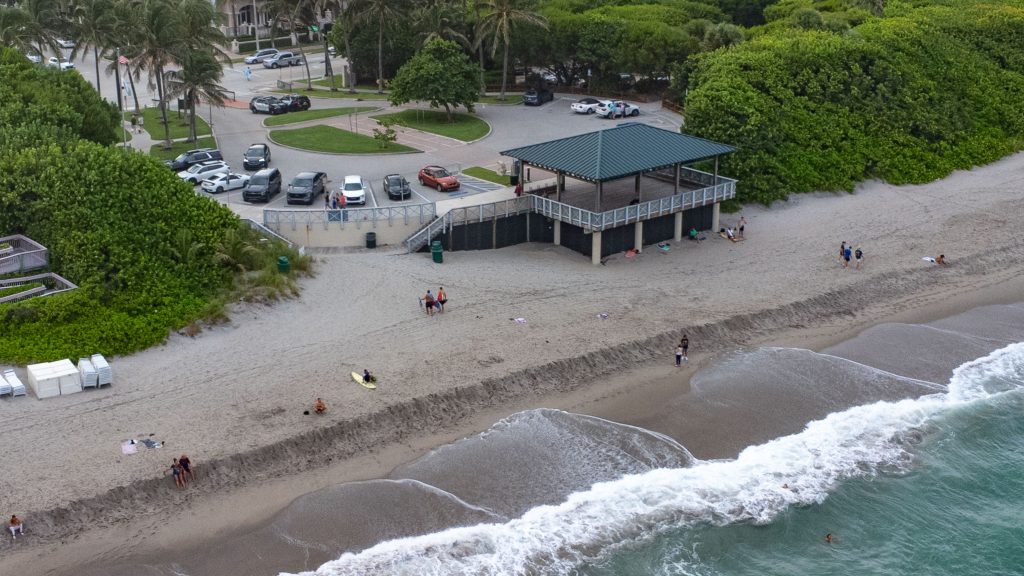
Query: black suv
(186, 160)
(264, 185)
(294, 102)
(256, 157)
(537, 97)
(306, 186)
(397, 187)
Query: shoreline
(458, 374)
(634, 397)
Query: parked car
(282, 59)
(65, 43)
(34, 57)
(257, 156)
(267, 105)
(260, 56)
(355, 190)
(617, 109)
(586, 105)
(62, 63)
(221, 182)
(263, 186)
(306, 186)
(438, 177)
(200, 172)
(397, 187)
(189, 158)
(533, 97)
(294, 102)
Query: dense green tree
(442, 74)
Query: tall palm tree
(439, 19)
(42, 23)
(196, 80)
(298, 14)
(378, 12)
(125, 38)
(497, 22)
(94, 28)
(15, 30)
(157, 43)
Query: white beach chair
(17, 388)
(5, 387)
(88, 372)
(103, 373)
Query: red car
(438, 177)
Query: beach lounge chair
(17, 388)
(5, 387)
(88, 372)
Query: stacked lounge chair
(17, 388)
(5, 387)
(103, 373)
(89, 377)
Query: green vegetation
(489, 175)
(908, 97)
(511, 99)
(462, 126)
(342, 94)
(148, 254)
(160, 153)
(178, 123)
(306, 115)
(333, 140)
(18, 289)
(440, 74)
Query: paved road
(511, 126)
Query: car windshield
(254, 152)
(196, 168)
(304, 182)
(181, 157)
(352, 186)
(441, 173)
(258, 180)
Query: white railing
(25, 254)
(52, 284)
(275, 219)
(466, 215)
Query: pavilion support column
(600, 191)
(716, 172)
(558, 232)
(636, 188)
(638, 236)
(595, 247)
(559, 187)
(678, 232)
(715, 213)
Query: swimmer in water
(828, 538)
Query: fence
(22, 254)
(341, 227)
(51, 284)
(465, 215)
(267, 232)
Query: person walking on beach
(179, 481)
(858, 257)
(16, 526)
(842, 249)
(679, 355)
(685, 345)
(186, 468)
(847, 253)
(442, 298)
(428, 302)
(741, 225)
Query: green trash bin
(437, 251)
(371, 239)
(283, 265)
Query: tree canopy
(442, 74)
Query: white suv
(355, 190)
(260, 56)
(202, 171)
(55, 62)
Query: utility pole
(328, 70)
(255, 25)
(117, 78)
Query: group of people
(847, 251)
(182, 471)
(432, 302)
(735, 234)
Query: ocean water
(930, 483)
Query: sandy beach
(233, 397)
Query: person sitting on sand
(319, 406)
(16, 526)
(179, 480)
(941, 260)
(730, 233)
(367, 377)
(693, 235)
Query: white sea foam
(554, 540)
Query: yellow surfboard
(359, 378)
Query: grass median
(489, 175)
(340, 94)
(158, 151)
(462, 126)
(335, 141)
(179, 124)
(306, 115)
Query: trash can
(371, 239)
(283, 266)
(437, 251)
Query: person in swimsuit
(186, 468)
(176, 472)
(367, 377)
(319, 407)
(742, 224)
(441, 299)
(16, 526)
(828, 538)
(858, 256)
(941, 260)
(428, 302)
(847, 253)
(685, 345)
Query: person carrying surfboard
(428, 302)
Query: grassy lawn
(511, 99)
(157, 151)
(319, 93)
(489, 175)
(330, 139)
(179, 126)
(463, 127)
(293, 117)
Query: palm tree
(157, 42)
(298, 14)
(42, 19)
(378, 12)
(197, 80)
(94, 27)
(124, 36)
(15, 30)
(497, 22)
(439, 19)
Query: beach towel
(928, 259)
(664, 247)
(518, 320)
(152, 443)
(129, 447)
(603, 315)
